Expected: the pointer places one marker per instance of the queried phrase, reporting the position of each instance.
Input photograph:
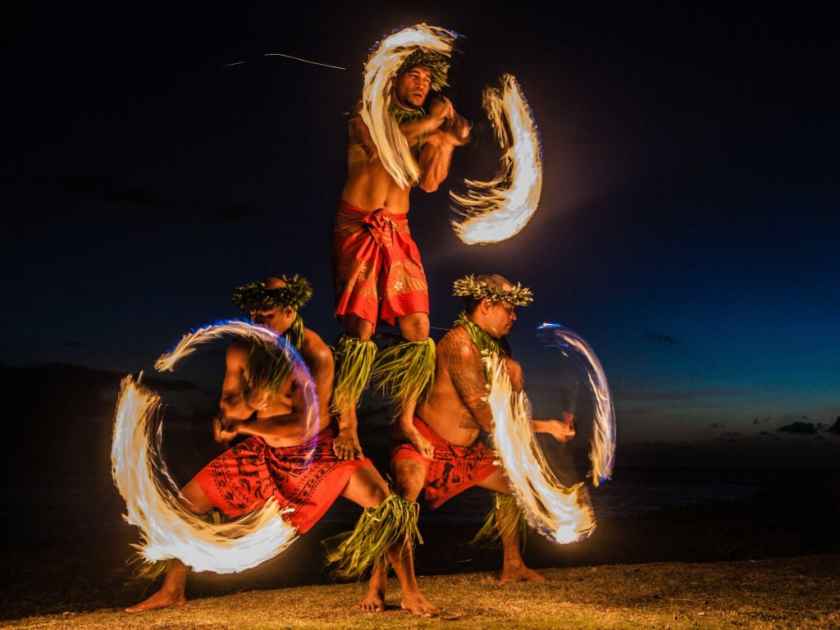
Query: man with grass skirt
(377, 266)
(285, 456)
(456, 412)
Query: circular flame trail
(495, 210)
(562, 514)
(153, 501)
(602, 446)
(380, 70)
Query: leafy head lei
(437, 63)
(255, 296)
(478, 288)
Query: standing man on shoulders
(377, 265)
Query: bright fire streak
(498, 209)
(153, 501)
(380, 70)
(602, 446)
(561, 514)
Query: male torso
(369, 186)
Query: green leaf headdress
(472, 287)
(255, 296)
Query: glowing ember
(498, 209)
(380, 70)
(602, 446)
(153, 502)
(561, 514)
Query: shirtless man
(456, 412)
(378, 270)
(261, 402)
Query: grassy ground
(801, 592)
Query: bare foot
(416, 604)
(161, 599)
(374, 601)
(519, 573)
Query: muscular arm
(436, 155)
(466, 371)
(232, 403)
(319, 360)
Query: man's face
(413, 86)
(277, 319)
(499, 318)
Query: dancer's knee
(414, 327)
(195, 500)
(409, 477)
(357, 327)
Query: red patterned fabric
(308, 478)
(378, 271)
(453, 469)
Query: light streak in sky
(377, 92)
(602, 446)
(153, 502)
(562, 514)
(495, 210)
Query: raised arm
(436, 155)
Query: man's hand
(225, 429)
(346, 445)
(441, 110)
(423, 446)
(457, 130)
(563, 429)
(257, 397)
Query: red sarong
(377, 266)
(453, 469)
(308, 478)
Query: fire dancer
(283, 456)
(377, 265)
(456, 413)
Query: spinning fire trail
(153, 502)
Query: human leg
(172, 592)
(508, 522)
(409, 479)
(354, 358)
(405, 372)
(390, 524)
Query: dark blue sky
(687, 226)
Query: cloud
(799, 428)
(716, 425)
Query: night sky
(687, 227)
